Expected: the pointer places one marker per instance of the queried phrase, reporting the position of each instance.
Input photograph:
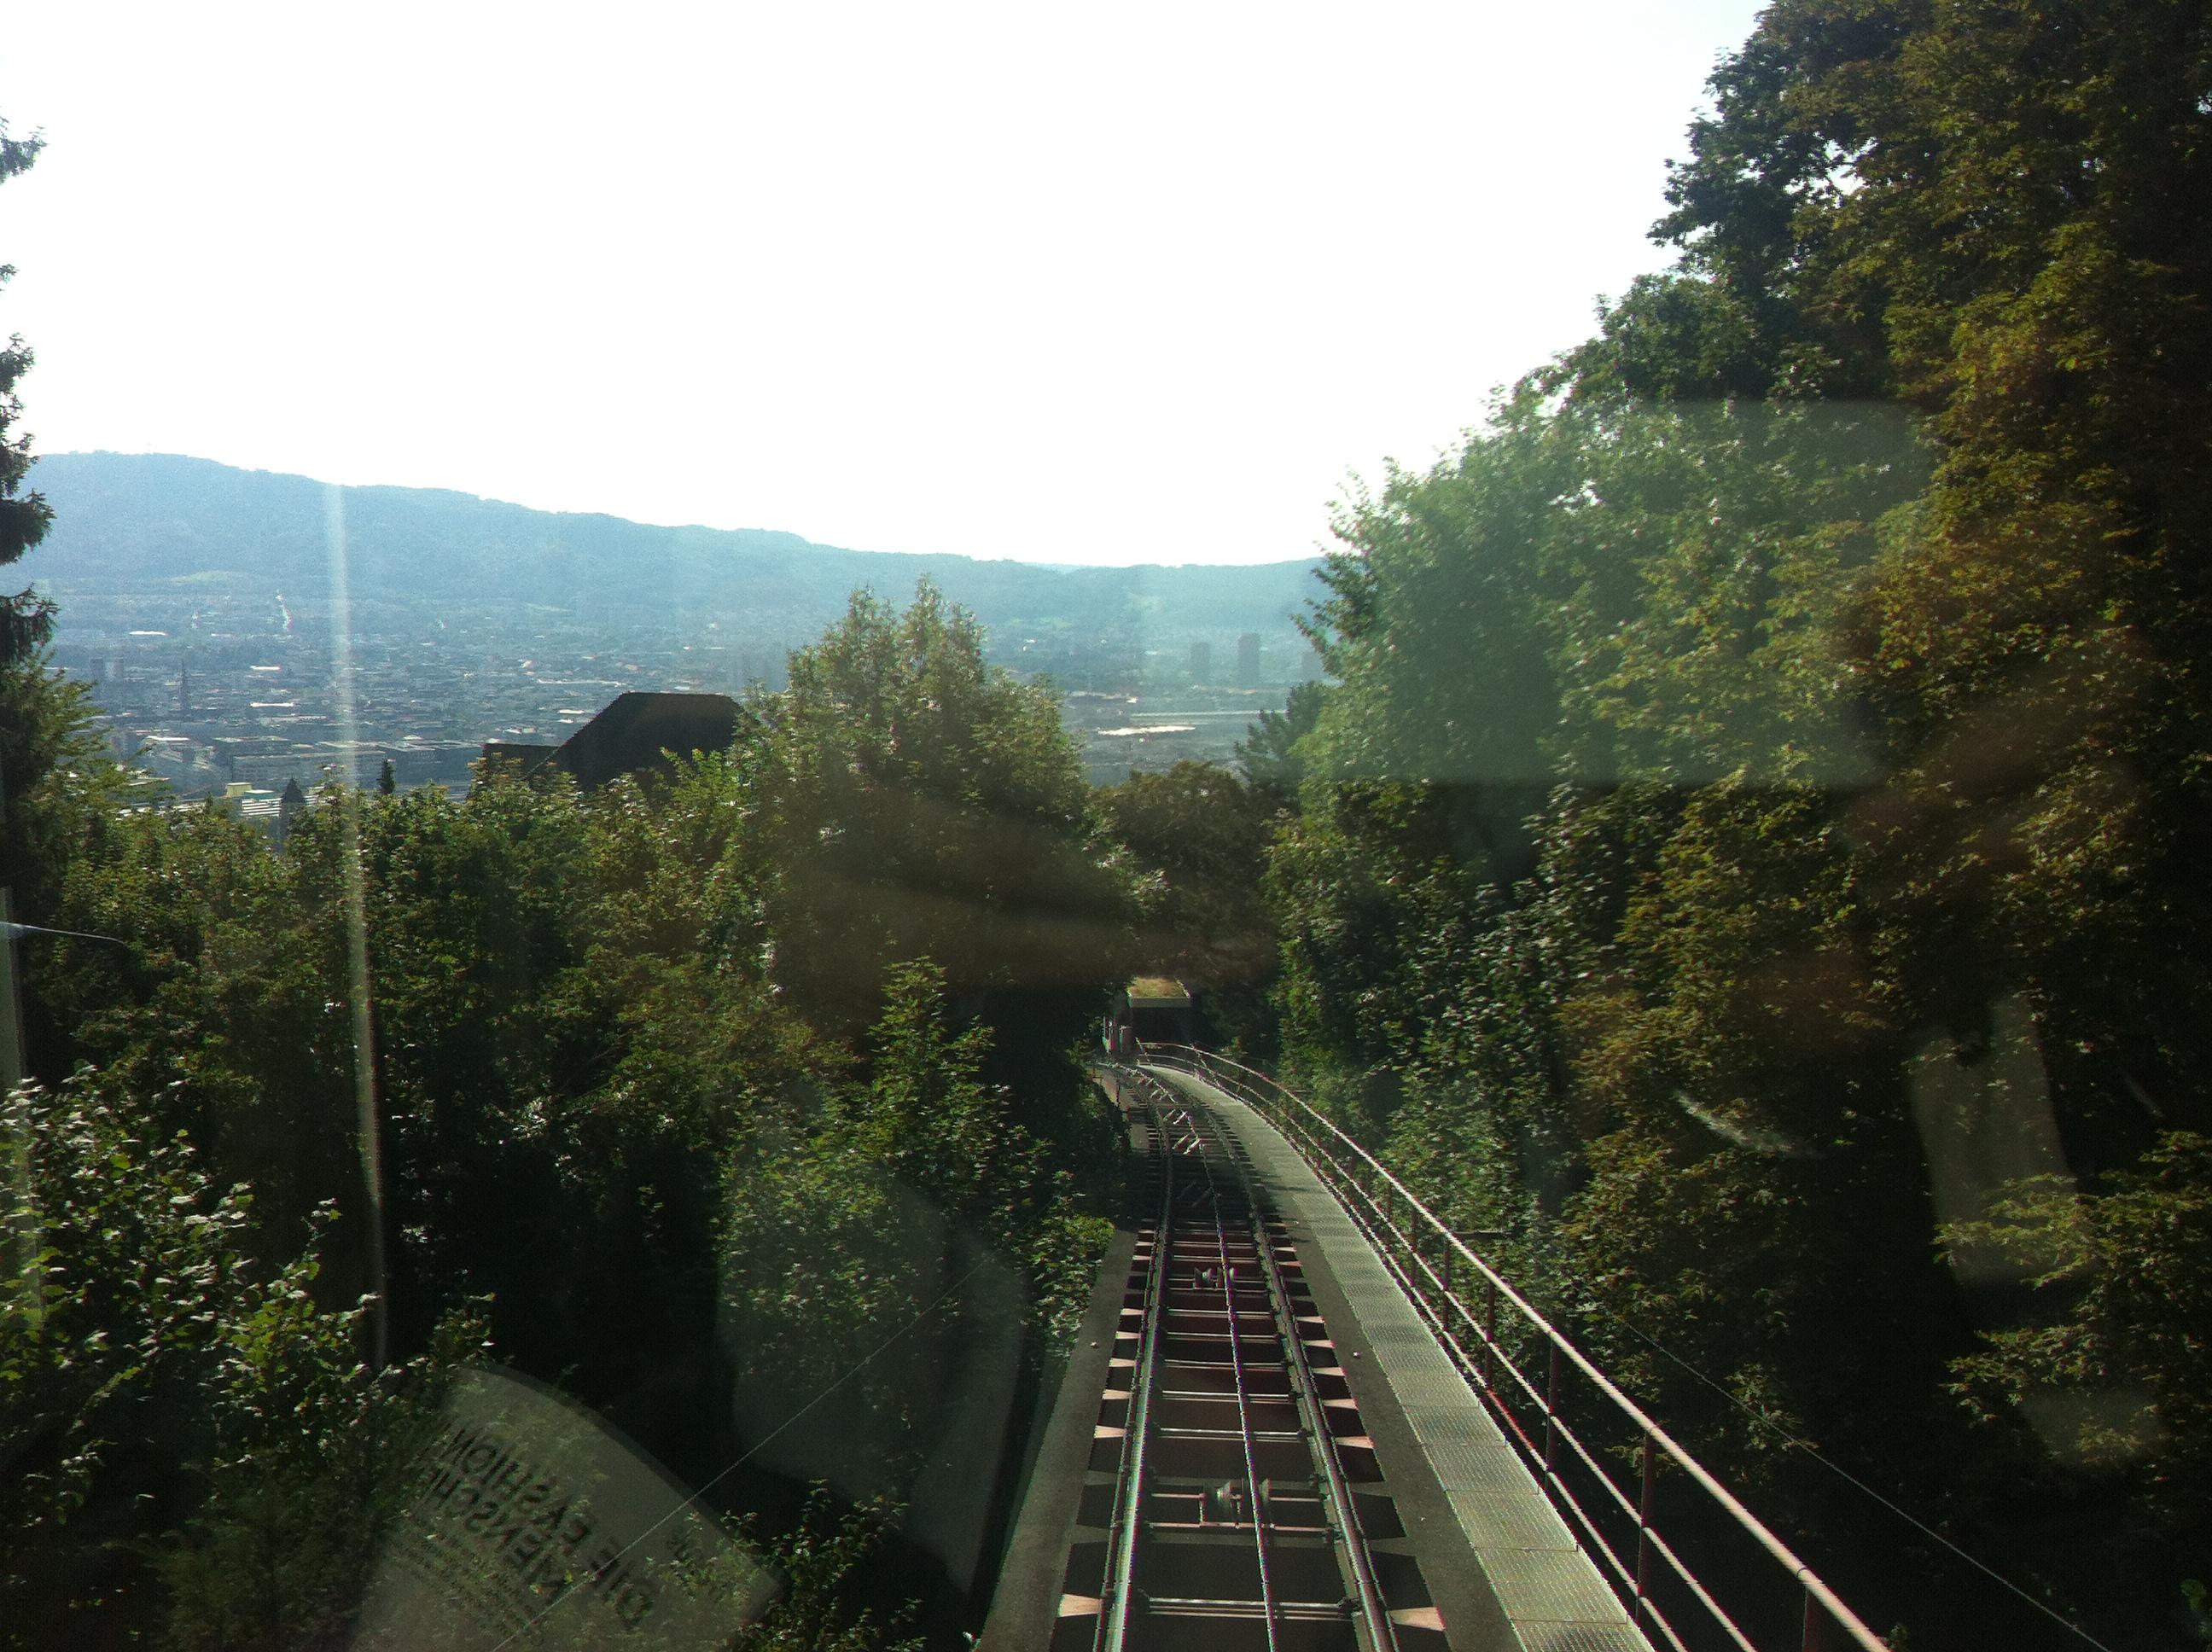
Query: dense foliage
(25, 620)
(1752, 857)
(1748, 861)
(49, 758)
(161, 1379)
(1200, 832)
(629, 1126)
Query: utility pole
(11, 998)
(22, 1232)
(15, 1066)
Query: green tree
(603, 1114)
(916, 802)
(2112, 1373)
(824, 1555)
(192, 1442)
(1268, 757)
(25, 619)
(919, 1189)
(52, 766)
(1782, 690)
(1199, 831)
(1973, 211)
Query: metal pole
(1490, 1335)
(11, 1001)
(1644, 1528)
(20, 1239)
(1552, 1410)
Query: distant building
(229, 749)
(272, 769)
(262, 810)
(1201, 662)
(522, 756)
(631, 737)
(440, 763)
(1247, 660)
(176, 758)
(288, 803)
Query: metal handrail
(1259, 1089)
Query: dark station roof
(523, 756)
(631, 737)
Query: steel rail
(1382, 1634)
(1244, 1408)
(1541, 1460)
(1122, 1546)
(1180, 1131)
(1254, 1087)
(1290, 1610)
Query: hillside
(142, 522)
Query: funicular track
(1235, 1483)
(1716, 1579)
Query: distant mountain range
(145, 522)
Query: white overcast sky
(1068, 282)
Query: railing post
(1812, 1641)
(1490, 1334)
(1643, 1529)
(1551, 1408)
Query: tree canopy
(26, 620)
(1762, 793)
(624, 1109)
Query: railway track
(1235, 1486)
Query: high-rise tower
(1247, 660)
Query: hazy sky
(1066, 282)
